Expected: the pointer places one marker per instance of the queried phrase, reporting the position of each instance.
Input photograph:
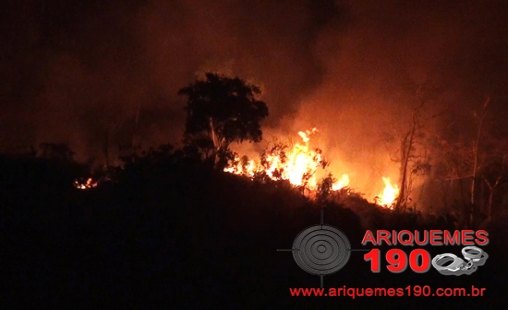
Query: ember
(89, 183)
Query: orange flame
(341, 183)
(297, 165)
(389, 194)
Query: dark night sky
(77, 71)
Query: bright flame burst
(89, 183)
(341, 183)
(387, 197)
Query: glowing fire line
(299, 165)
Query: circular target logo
(321, 250)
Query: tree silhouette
(221, 110)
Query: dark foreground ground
(174, 233)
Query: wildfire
(298, 165)
(302, 162)
(390, 192)
(341, 183)
(242, 167)
(89, 183)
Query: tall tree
(221, 110)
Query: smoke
(98, 76)
(101, 77)
(389, 58)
